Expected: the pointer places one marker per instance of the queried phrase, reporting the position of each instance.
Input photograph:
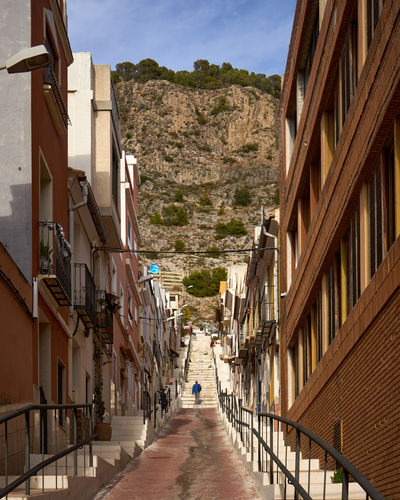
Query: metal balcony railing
(55, 261)
(50, 79)
(85, 295)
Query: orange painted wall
(16, 348)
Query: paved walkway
(191, 460)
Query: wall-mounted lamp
(27, 59)
(140, 280)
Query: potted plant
(45, 258)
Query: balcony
(105, 306)
(85, 295)
(55, 102)
(55, 261)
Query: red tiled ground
(191, 460)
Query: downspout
(276, 303)
(72, 238)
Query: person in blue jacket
(196, 391)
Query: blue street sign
(154, 269)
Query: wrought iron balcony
(55, 261)
(85, 295)
(50, 79)
(105, 306)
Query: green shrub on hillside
(248, 148)
(220, 107)
(156, 219)
(179, 246)
(205, 200)
(234, 227)
(178, 196)
(214, 251)
(242, 197)
(174, 216)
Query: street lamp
(140, 280)
(27, 59)
(172, 317)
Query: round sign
(154, 269)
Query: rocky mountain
(195, 149)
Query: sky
(250, 34)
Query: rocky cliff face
(194, 149)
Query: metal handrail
(43, 408)
(228, 405)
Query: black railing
(104, 318)
(55, 259)
(270, 440)
(187, 360)
(146, 405)
(50, 79)
(62, 442)
(85, 295)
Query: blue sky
(250, 34)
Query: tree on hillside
(204, 75)
(205, 283)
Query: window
(122, 304)
(307, 350)
(346, 79)
(114, 278)
(352, 244)
(129, 233)
(390, 197)
(318, 326)
(348, 69)
(375, 220)
(373, 11)
(333, 282)
(311, 49)
(130, 317)
(296, 371)
(136, 313)
(115, 178)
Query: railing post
(251, 437)
(75, 442)
(297, 464)
(144, 403)
(27, 453)
(155, 409)
(91, 430)
(259, 450)
(271, 443)
(240, 420)
(345, 485)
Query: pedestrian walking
(196, 391)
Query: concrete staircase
(201, 368)
(281, 489)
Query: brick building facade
(340, 227)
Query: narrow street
(192, 457)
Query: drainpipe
(72, 238)
(276, 298)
